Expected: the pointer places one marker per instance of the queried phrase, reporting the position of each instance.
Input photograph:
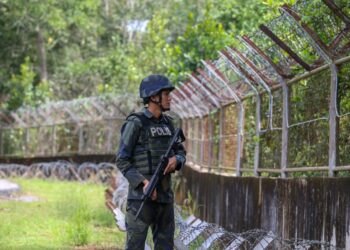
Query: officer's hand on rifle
(171, 165)
(154, 193)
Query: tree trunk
(106, 5)
(42, 55)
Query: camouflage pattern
(153, 84)
(158, 216)
(132, 160)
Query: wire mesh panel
(344, 113)
(197, 136)
(67, 139)
(290, 34)
(309, 129)
(185, 127)
(236, 82)
(32, 143)
(344, 141)
(113, 134)
(44, 141)
(190, 140)
(276, 53)
(344, 5)
(13, 141)
(277, 109)
(297, 124)
(308, 144)
(309, 99)
(206, 141)
(343, 89)
(214, 139)
(250, 137)
(261, 65)
(265, 112)
(91, 136)
(270, 149)
(329, 27)
(100, 137)
(228, 139)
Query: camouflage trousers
(158, 216)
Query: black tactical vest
(153, 142)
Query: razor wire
(287, 53)
(83, 110)
(201, 235)
(194, 233)
(62, 170)
(191, 232)
(256, 69)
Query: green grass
(68, 215)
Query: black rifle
(178, 137)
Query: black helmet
(153, 84)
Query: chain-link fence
(191, 232)
(282, 95)
(83, 126)
(194, 233)
(276, 103)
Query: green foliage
(74, 208)
(250, 137)
(190, 205)
(21, 83)
(199, 41)
(79, 231)
(87, 50)
(22, 89)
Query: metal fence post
(26, 142)
(202, 141)
(285, 106)
(257, 133)
(210, 140)
(81, 139)
(53, 140)
(285, 131)
(333, 120)
(1, 142)
(248, 80)
(239, 140)
(327, 56)
(221, 140)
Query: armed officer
(145, 136)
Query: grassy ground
(69, 215)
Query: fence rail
(283, 95)
(278, 102)
(83, 126)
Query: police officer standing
(145, 136)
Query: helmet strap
(159, 103)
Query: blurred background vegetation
(62, 49)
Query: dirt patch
(8, 188)
(10, 191)
(22, 198)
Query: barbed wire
(191, 232)
(197, 234)
(62, 170)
